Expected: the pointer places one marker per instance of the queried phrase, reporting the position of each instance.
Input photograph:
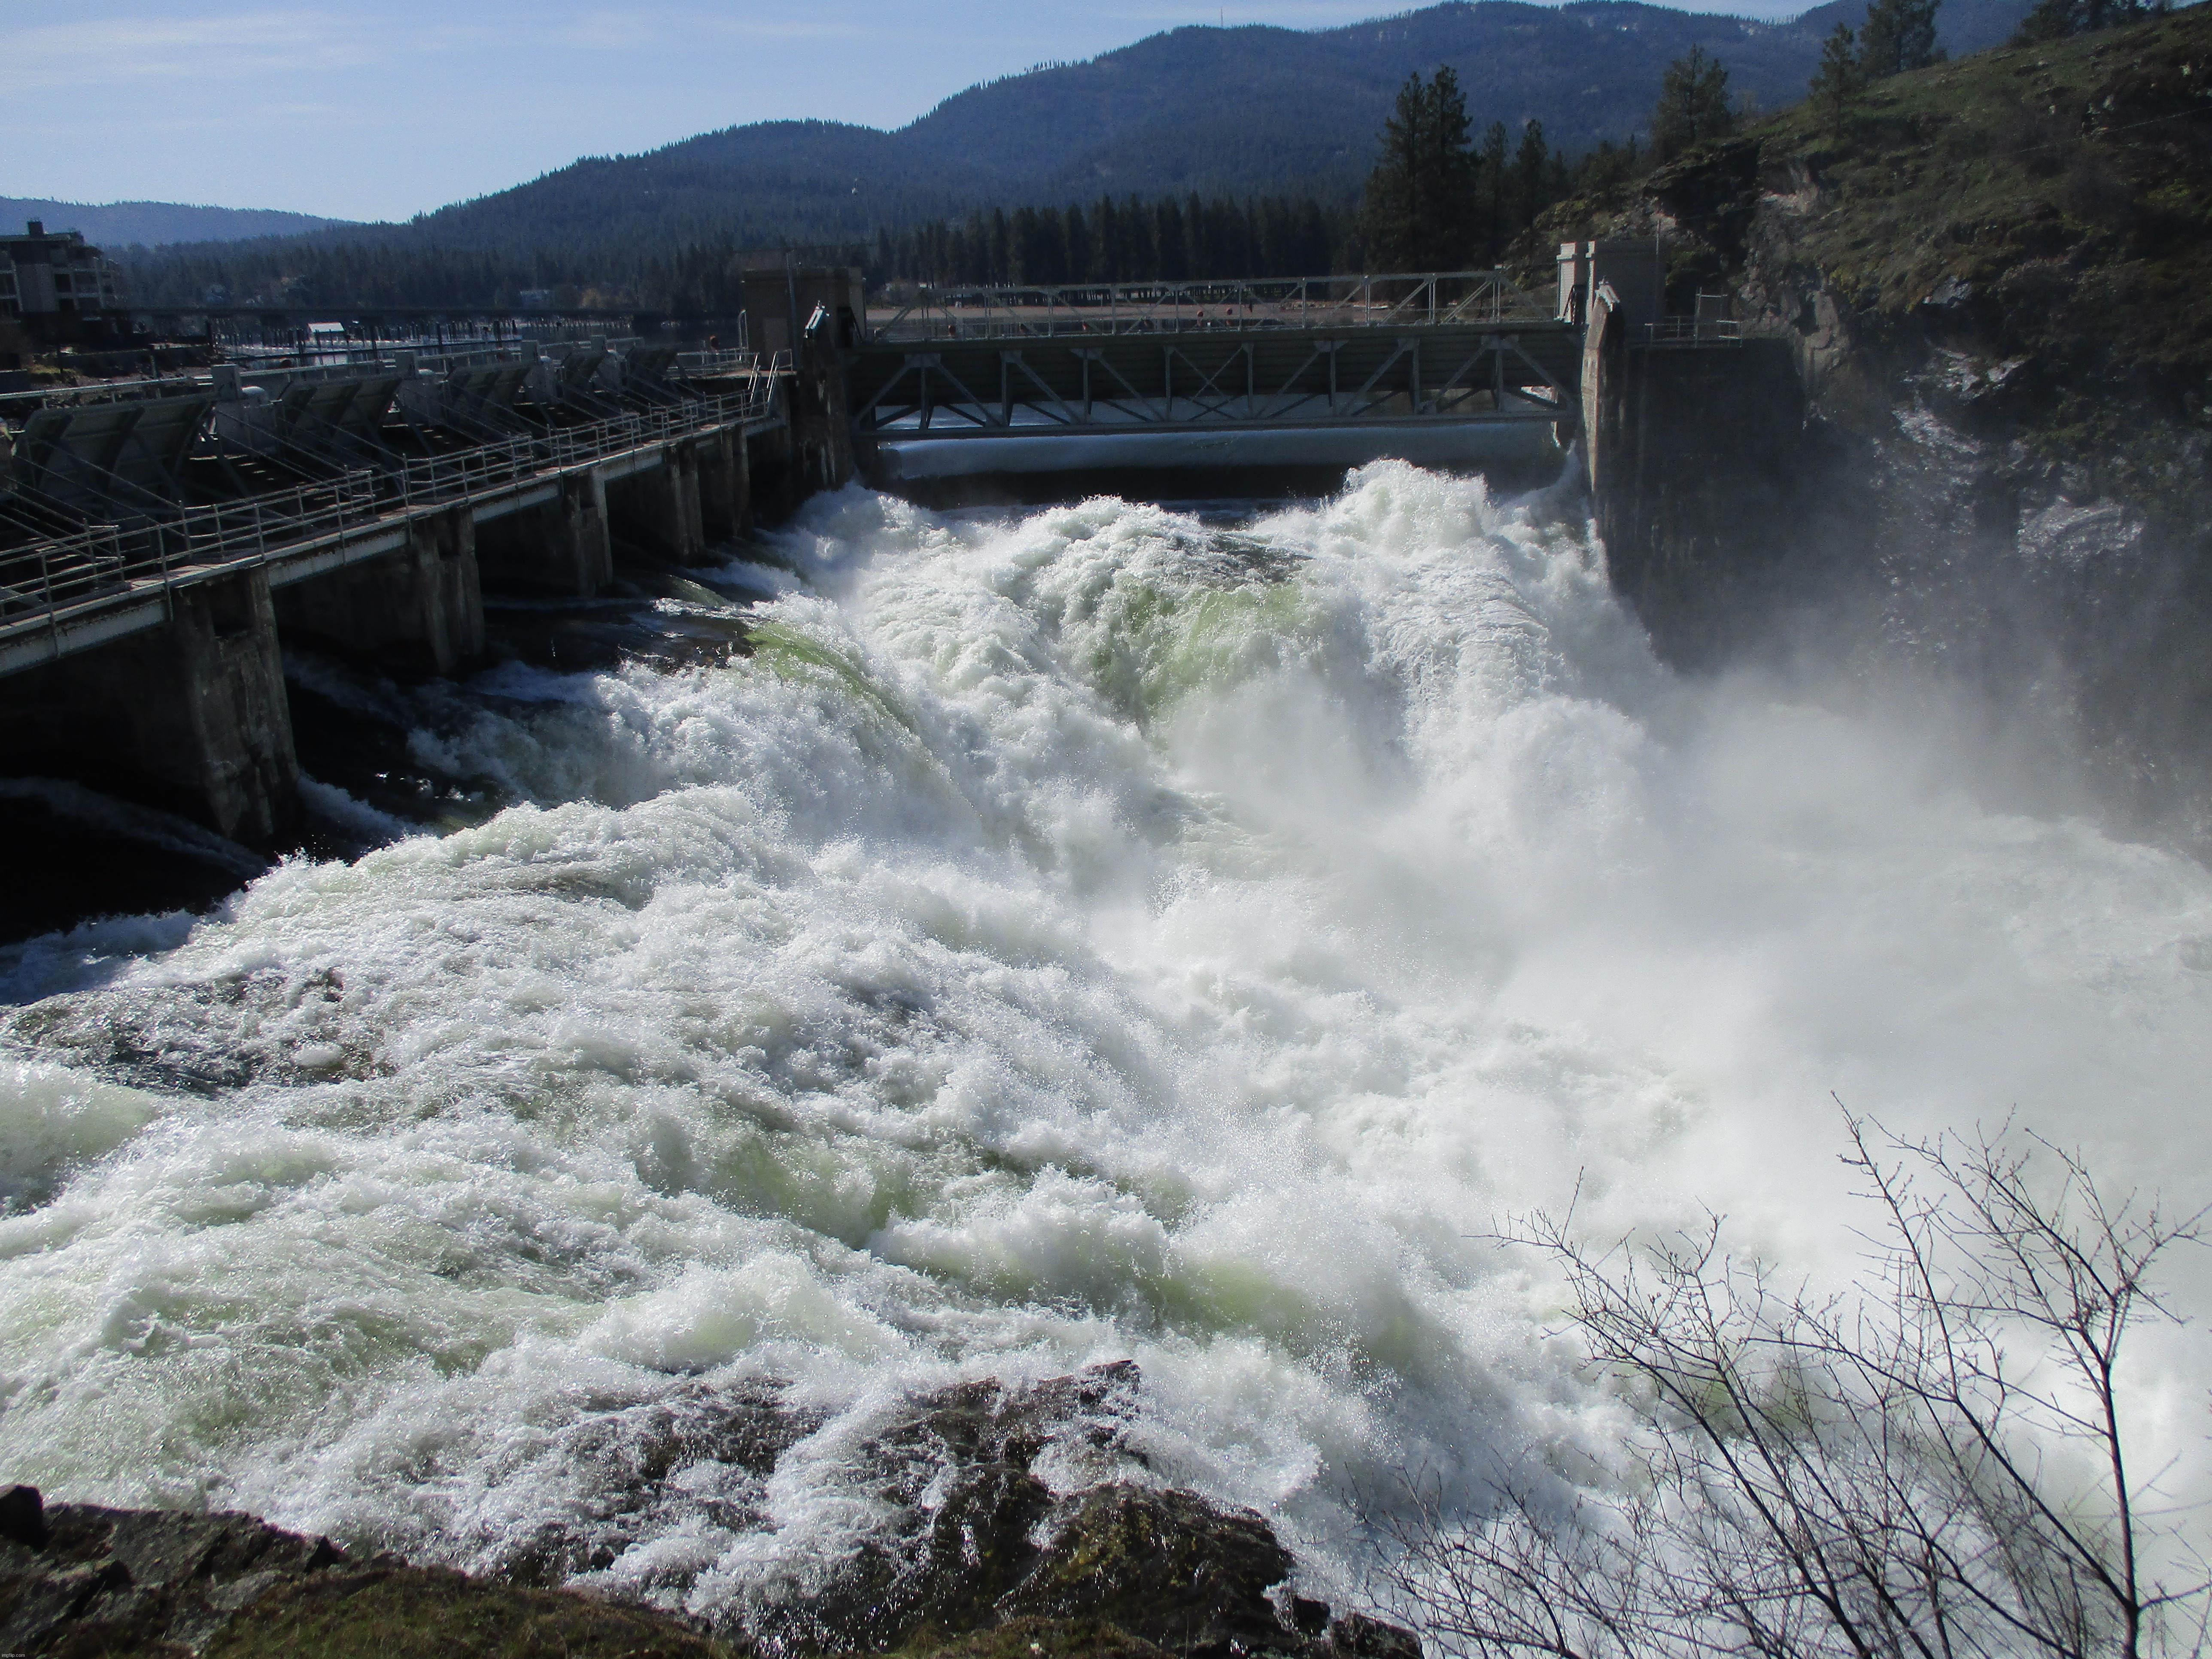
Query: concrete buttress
(560, 546)
(659, 508)
(192, 718)
(418, 613)
(726, 507)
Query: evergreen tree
(1899, 35)
(1496, 190)
(1838, 79)
(2055, 19)
(1081, 261)
(1694, 102)
(1172, 246)
(1533, 185)
(1419, 205)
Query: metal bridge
(119, 494)
(1455, 349)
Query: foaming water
(1088, 934)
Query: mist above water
(1084, 933)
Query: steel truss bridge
(1464, 348)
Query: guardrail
(1694, 331)
(389, 361)
(67, 578)
(1400, 301)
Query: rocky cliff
(1992, 282)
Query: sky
(378, 109)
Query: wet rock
(76, 1578)
(697, 1456)
(1057, 1638)
(1355, 1635)
(1012, 1515)
(1166, 1566)
(962, 1470)
(122, 1583)
(23, 1517)
(430, 1613)
(1022, 1523)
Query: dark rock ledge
(1000, 1569)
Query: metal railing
(1408, 299)
(1694, 331)
(105, 565)
(389, 360)
(721, 362)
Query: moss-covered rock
(1166, 1566)
(78, 1582)
(428, 1612)
(1036, 1638)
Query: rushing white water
(1068, 936)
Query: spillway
(1105, 931)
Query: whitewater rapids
(1066, 936)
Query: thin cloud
(101, 52)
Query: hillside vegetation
(1996, 454)
(2043, 212)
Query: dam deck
(118, 495)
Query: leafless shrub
(1934, 1469)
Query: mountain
(1253, 109)
(1245, 111)
(150, 224)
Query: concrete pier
(658, 509)
(725, 505)
(418, 612)
(560, 547)
(191, 717)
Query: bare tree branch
(1859, 1475)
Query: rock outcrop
(78, 1581)
(985, 1559)
(1991, 283)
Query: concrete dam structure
(159, 539)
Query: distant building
(55, 277)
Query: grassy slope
(2070, 184)
(2051, 202)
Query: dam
(161, 538)
(158, 539)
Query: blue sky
(382, 109)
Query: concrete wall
(659, 510)
(558, 547)
(725, 506)
(1700, 460)
(191, 717)
(820, 424)
(419, 612)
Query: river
(1074, 933)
